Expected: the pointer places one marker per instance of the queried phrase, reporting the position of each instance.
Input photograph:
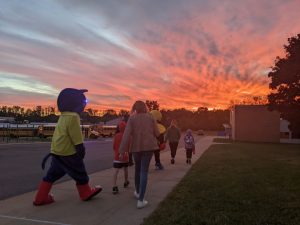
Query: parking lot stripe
(32, 220)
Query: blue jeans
(142, 162)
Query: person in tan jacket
(141, 130)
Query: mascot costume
(67, 149)
(160, 139)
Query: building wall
(255, 123)
(232, 123)
(284, 129)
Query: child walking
(173, 135)
(120, 162)
(189, 145)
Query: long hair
(174, 123)
(139, 107)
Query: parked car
(200, 132)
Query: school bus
(105, 130)
(4, 132)
(45, 131)
(108, 130)
(17, 130)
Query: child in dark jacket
(118, 161)
(173, 135)
(189, 144)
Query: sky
(191, 53)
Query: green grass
(238, 183)
(223, 140)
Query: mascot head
(157, 116)
(71, 100)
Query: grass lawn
(237, 183)
(223, 140)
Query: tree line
(49, 114)
(202, 118)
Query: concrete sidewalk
(105, 208)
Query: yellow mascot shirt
(67, 134)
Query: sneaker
(115, 190)
(159, 166)
(141, 204)
(126, 183)
(136, 195)
(172, 161)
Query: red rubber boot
(42, 196)
(86, 192)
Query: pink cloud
(203, 53)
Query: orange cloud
(191, 54)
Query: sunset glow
(194, 53)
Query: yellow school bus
(108, 130)
(17, 130)
(4, 132)
(105, 130)
(47, 130)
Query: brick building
(254, 123)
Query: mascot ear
(83, 90)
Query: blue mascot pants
(72, 165)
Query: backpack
(189, 142)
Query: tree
(123, 113)
(3, 111)
(250, 100)
(152, 105)
(109, 114)
(202, 109)
(285, 85)
(16, 109)
(260, 100)
(51, 110)
(90, 111)
(38, 110)
(28, 112)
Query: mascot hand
(80, 149)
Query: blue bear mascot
(67, 149)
